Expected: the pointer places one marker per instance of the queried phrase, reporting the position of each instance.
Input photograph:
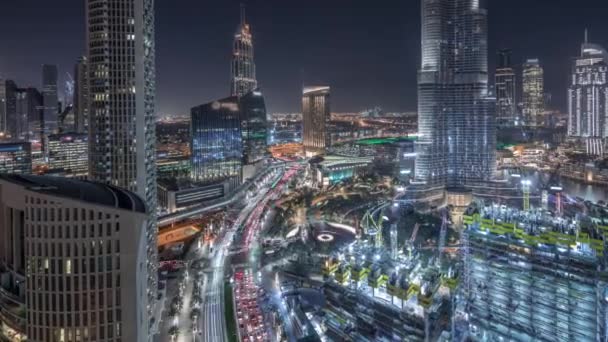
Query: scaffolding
(522, 286)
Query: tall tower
(120, 51)
(243, 66)
(456, 123)
(81, 95)
(533, 92)
(588, 93)
(506, 105)
(50, 99)
(315, 115)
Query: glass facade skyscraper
(315, 115)
(243, 66)
(456, 116)
(217, 145)
(506, 103)
(51, 101)
(81, 95)
(588, 93)
(122, 78)
(533, 92)
(253, 126)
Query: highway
(213, 323)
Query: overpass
(217, 205)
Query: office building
(526, 285)
(2, 107)
(16, 158)
(72, 258)
(81, 95)
(217, 145)
(178, 194)
(69, 154)
(50, 99)
(315, 118)
(254, 131)
(588, 93)
(120, 53)
(456, 115)
(505, 83)
(533, 93)
(243, 67)
(24, 113)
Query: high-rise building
(50, 98)
(315, 118)
(24, 113)
(16, 158)
(456, 121)
(2, 107)
(588, 93)
(69, 154)
(120, 53)
(81, 95)
(217, 145)
(505, 83)
(533, 93)
(72, 261)
(253, 127)
(243, 66)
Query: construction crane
(442, 234)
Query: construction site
(532, 276)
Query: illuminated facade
(71, 257)
(588, 94)
(456, 121)
(122, 88)
(16, 158)
(69, 153)
(533, 92)
(243, 66)
(50, 99)
(81, 96)
(217, 145)
(315, 117)
(253, 126)
(506, 104)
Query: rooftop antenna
(586, 36)
(242, 13)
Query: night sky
(367, 51)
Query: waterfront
(576, 188)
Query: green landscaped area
(381, 141)
(229, 313)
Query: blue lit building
(254, 127)
(217, 145)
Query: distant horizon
(368, 54)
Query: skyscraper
(81, 95)
(24, 113)
(253, 127)
(121, 49)
(456, 122)
(2, 107)
(50, 99)
(588, 93)
(71, 259)
(505, 83)
(217, 149)
(533, 93)
(315, 115)
(243, 66)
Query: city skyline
(287, 57)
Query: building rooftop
(91, 192)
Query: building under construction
(526, 279)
